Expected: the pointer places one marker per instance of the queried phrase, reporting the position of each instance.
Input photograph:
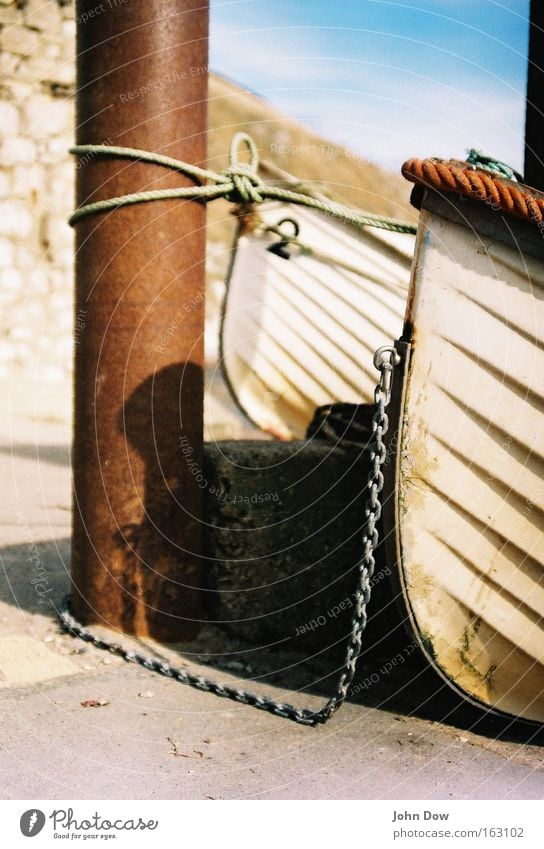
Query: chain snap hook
(385, 361)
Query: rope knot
(247, 184)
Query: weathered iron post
(137, 534)
(534, 115)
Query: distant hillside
(292, 147)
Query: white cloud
(383, 112)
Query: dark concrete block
(284, 536)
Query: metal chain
(385, 360)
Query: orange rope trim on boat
(509, 197)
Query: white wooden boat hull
(469, 502)
(300, 333)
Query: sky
(388, 79)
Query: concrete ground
(152, 738)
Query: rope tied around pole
(239, 183)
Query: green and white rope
(489, 163)
(239, 183)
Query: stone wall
(37, 83)
(37, 71)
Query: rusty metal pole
(137, 534)
(534, 116)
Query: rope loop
(244, 175)
(237, 141)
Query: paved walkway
(153, 738)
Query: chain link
(385, 360)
